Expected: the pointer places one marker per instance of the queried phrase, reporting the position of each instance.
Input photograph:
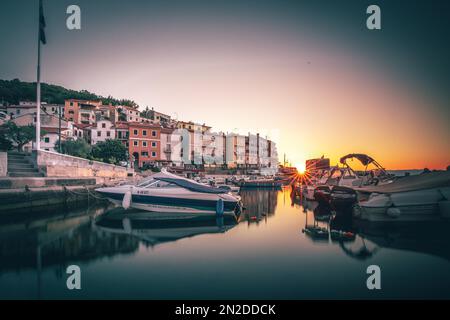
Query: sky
(307, 74)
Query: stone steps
(20, 166)
(25, 174)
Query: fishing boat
(167, 192)
(412, 198)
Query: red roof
(143, 124)
(81, 125)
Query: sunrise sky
(309, 74)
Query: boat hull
(420, 205)
(173, 204)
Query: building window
(127, 144)
(144, 132)
(144, 153)
(46, 139)
(135, 143)
(153, 144)
(153, 154)
(103, 125)
(108, 133)
(71, 112)
(119, 134)
(71, 104)
(99, 134)
(153, 133)
(135, 132)
(144, 143)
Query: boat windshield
(145, 182)
(153, 183)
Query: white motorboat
(413, 198)
(166, 192)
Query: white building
(235, 150)
(213, 148)
(131, 114)
(101, 131)
(251, 150)
(50, 127)
(263, 152)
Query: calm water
(266, 255)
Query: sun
(300, 168)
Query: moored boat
(166, 192)
(413, 198)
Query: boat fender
(393, 212)
(219, 207)
(126, 202)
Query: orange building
(81, 111)
(144, 142)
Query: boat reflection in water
(258, 204)
(147, 255)
(153, 228)
(337, 227)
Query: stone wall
(3, 164)
(54, 164)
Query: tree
(77, 148)
(19, 135)
(111, 151)
(5, 144)
(122, 115)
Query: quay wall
(3, 164)
(54, 164)
(13, 201)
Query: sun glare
(300, 167)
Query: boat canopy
(187, 183)
(363, 158)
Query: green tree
(111, 151)
(77, 148)
(18, 135)
(5, 143)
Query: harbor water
(264, 255)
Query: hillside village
(152, 138)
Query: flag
(41, 24)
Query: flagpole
(38, 85)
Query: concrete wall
(60, 165)
(3, 164)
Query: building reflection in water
(259, 204)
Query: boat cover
(364, 158)
(187, 183)
(439, 179)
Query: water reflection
(361, 240)
(153, 228)
(36, 248)
(259, 204)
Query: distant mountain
(13, 91)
